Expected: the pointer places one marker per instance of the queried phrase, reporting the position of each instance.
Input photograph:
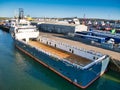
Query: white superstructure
(23, 30)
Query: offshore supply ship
(77, 65)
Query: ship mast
(84, 19)
(21, 14)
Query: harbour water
(19, 72)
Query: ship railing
(96, 61)
(65, 60)
(73, 64)
(74, 47)
(80, 49)
(26, 31)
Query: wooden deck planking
(60, 53)
(112, 54)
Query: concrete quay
(115, 56)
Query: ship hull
(80, 77)
(4, 28)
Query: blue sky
(107, 9)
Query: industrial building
(61, 28)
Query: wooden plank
(60, 53)
(112, 54)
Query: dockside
(115, 56)
(58, 37)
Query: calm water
(19, 72)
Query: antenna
(84, 19)
(21, 13)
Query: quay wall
(114, 65)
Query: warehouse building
(61, 28)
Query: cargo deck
(61, 54)
(60, 37)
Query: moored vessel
(75, 64)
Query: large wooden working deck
(61, 54)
